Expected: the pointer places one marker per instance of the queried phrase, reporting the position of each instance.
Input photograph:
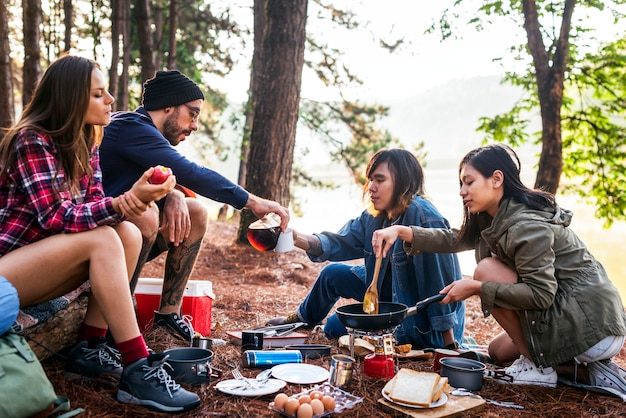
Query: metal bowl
(311, 351)
(191, 365)
(463, 372)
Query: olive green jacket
(565, 300)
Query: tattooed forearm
(315, 246)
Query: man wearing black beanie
(146, 137)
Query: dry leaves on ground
(251, 287)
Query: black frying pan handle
(425, 303)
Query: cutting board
(456, 406)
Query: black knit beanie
(169, 88)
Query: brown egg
(304, 399)
(305, 411)
(316, 394)
(280, 400)
(329, 403)
(318, 406)
(291, 407)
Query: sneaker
(146, 382)
(607, 374)
(616, 368)
(181, 325)
(284, 320)
(524, 372)
(95, 359)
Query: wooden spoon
(370, 301)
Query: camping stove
(381, 362)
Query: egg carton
(343, 400)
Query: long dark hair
(58, 107)
(486, 160)
(408, 178)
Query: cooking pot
(389, 314)
(191, 365)
(463, 372)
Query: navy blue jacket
(132, 144)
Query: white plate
(300, 373)
(441, 401)
(237, 387)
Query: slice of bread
(414, 388)
(443, 383)
(389, 385)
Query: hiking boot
(146, 382)
(95, 359)
(181, 325)
(607, 374)
(292, 318)
(524, 372)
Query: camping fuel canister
(262, 359)
(380, 363)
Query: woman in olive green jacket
(560, 313)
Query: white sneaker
(607, 374)
(524, 372)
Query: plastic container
(343, 400)
(197, 303)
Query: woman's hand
(461, 290)
(383, 239)
(148, 192)
(129, 205)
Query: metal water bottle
(262, 359)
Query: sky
(421, 63)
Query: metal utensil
(280, 330)
(250, 383)
(370, 300)
(253, 383)
(465, 392)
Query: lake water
(330, 209)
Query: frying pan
(389, 314)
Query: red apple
(160, 174)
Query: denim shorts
(603, 350)
(9, 305)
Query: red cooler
(197, 303)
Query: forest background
(289, 84)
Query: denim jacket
(413, 277)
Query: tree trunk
(116, 25)
(272, 139)
(68, 15)
(550, 76)
(122, 101)
(146, 46)
(260, 23)
(32, 56)
(173, 23)
(58, 332)
(7, 108)
(157, 37)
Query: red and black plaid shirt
(29, 207)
